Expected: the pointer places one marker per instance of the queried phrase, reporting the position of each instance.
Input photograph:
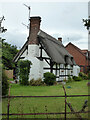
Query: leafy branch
(86, 23)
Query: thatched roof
(54, 48)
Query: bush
(69, 79)
(83, 75)
(75, 78)
(5, 84)
(49, 78)
(32, 82)
(89, 75)
(24, 70)
(37, 82)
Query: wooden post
(8, 105)
(65, 101)
(8, 111)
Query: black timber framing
(51, 64)
(41, 52)
(63, 76)
(58, 68)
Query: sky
(59, 19)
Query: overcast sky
(59, 19)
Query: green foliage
(8, 53)
(83, 75)
(37, 82)
(5, 84)
(86, 23)
(55, 103)
(69, 79)
(89, 75)
(24, 70)
(75, 78)
(49, 78)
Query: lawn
(44, 105)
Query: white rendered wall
(36, 70)
(37, 66)
(33, 50)
(76, 70)
(24, 54)
(45, 64)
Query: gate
(66, 104)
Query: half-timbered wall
(41, 64)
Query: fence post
(65, 101)
(8, 105)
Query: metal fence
(77, 114)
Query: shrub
(32, 82)
(56, 83)
(5, 84)
(49, 78)
(69, 79)
(75, 78)
(89, 75)
(37, 82)
(83, 75)
(24, 70)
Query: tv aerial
(28, 9)
(28, 17)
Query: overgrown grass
(43, 105)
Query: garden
(20, 105)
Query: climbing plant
(24, 70)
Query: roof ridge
(54, 39)
(76, 48)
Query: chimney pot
(60, 39)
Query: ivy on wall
(24, 70)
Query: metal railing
(77, 114)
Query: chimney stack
(60, 39)
(34, 29)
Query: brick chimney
(34, 29)
(33, 44)
(60, 39)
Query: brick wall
(9, 73)
(34, 29)
(79, 58)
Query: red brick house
(80, 56)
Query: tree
(8, 53)
(5, 84)
(86, 23)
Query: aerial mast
(28, 26)
(28, 9)
(28, 17)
